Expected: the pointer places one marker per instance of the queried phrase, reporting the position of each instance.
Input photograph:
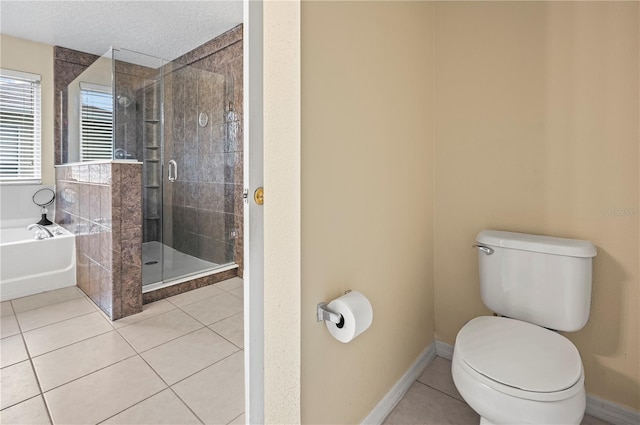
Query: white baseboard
(393, 397)
(608, 411)
(444, 350)
(611, 412)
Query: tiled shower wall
(101, 204)
(68, 64)
(207, 198)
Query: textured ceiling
(165, 29)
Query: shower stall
(180, 123)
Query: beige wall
(366, 169)
(37, 58)
(537, 131)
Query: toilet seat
(519, 358)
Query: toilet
(514, 368)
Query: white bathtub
(29, 266)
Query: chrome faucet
(42, 232)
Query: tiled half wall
(101, 204)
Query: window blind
(20, 121)
(96, 123)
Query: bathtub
(29, 266)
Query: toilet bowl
(513, 372)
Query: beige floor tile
(162, 408)
(231, 328)
(8, 326)
(6, 309)
(29, 412)
(159, 329)
(74, 361)
(590, 420)
(216, 394)
(214, 309)
(438, 376)
(17, 383)
(424, 405)
(46, 298)
(239, 292)
(230, 284)
(195, 295)
(148, 310)
(12, 351)
(102, 394)
(186, 355)
(240, 420)
(57, 335)
(43, 316)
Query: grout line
(206, 367)
(163, 380)
(442, 392)
(33, 370)
(69, 345)
(235, 418)
(133, 405)
(187, 405)
(142, 320)
(31, 398)
(212, 323)
(168, 341)
(75, 342)
(226, 339)
(53, 323)
(78, 290)
(193, 302)
(91, 373)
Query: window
(96, 122)
(19, 127)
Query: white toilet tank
(537, 279)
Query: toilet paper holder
(324, 314)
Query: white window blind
(20, 122)
(96, 123)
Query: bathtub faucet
(41, 232)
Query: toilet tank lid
(537, 243)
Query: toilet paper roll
(357, 314)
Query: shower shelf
(152, 217)
(152, 121)
(151, 160)
(152, 147)
(152, 186)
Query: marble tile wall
(208, 203)
(101, 204)
(67, 65)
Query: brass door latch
(258, 196)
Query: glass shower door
(200, 169)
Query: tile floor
(433, 399)
(180, 361)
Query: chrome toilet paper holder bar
(324, 314)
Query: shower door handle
(172, 176)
